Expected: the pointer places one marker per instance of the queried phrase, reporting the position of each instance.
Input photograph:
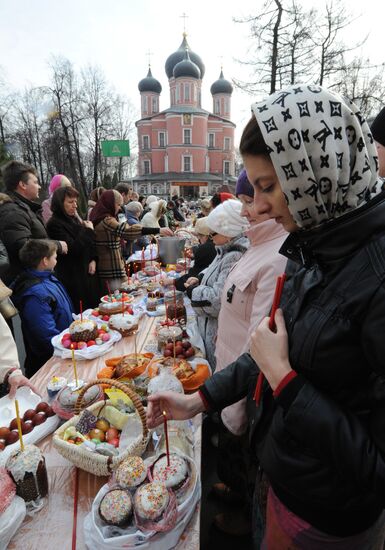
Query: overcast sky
(116, 35)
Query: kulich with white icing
(151, 500)
(80, 326)
(174, 475)
(131, 472)
(123, 321)
(116, 508)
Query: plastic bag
(143, 540)
(10, 520)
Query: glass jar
(173, 300)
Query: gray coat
(206, 298)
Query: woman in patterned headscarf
(319, 430)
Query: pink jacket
(251, 282)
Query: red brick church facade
(185, 149)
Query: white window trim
(191, 163)
(189, 130)
(177, 93)
(154, 100)
(143, 147)
(208, 139)
(145, 104)
(224, 164)
(166, 163)
(165, 138)
(227, 140)
(149, 165)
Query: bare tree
(364, 84)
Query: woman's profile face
(250, 211)
(268, 195)
(118, 205)
(70, 205)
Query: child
(43, 303)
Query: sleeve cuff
(150, 230)
(285, 380)
(289, 391)
(203, 395)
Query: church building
(185, 150)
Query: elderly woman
(155, 215)
(77, 269)
(226, 231)
(133, 211)
(318, 428)
(109, 232)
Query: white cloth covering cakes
(173, 476)
(124, 323)
(116, 508)
(151, 500)
(131, 472)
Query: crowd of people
(306, 458)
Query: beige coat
(8, 352)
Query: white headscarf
(322, 150)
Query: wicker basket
(93, 462)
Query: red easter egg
(91, 343)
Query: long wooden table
(51, 528)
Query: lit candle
(19, 425)
(74, 365)
(166, 437)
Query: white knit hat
(150, 199)
(201, 227)
(226, 219)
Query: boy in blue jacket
(43, 303)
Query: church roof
(150, 84)
(178, 56)
(221, 86)
(186, 67)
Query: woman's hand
(177, 406)
(166, 232)
(191, 281)
(64, 247)
(15, 382)
(167, 281)
(88, 224)
(270, 350)
(92, 267)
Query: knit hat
(201, 227)
(150, 199)
(157, 206)
(378, 127)
(243, 186)
(226, 219)
(226, 196)
(58, 181)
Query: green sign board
(116, 148)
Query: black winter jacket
(72, 268)
(204, 254)
(20, 220)
(322, 441)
